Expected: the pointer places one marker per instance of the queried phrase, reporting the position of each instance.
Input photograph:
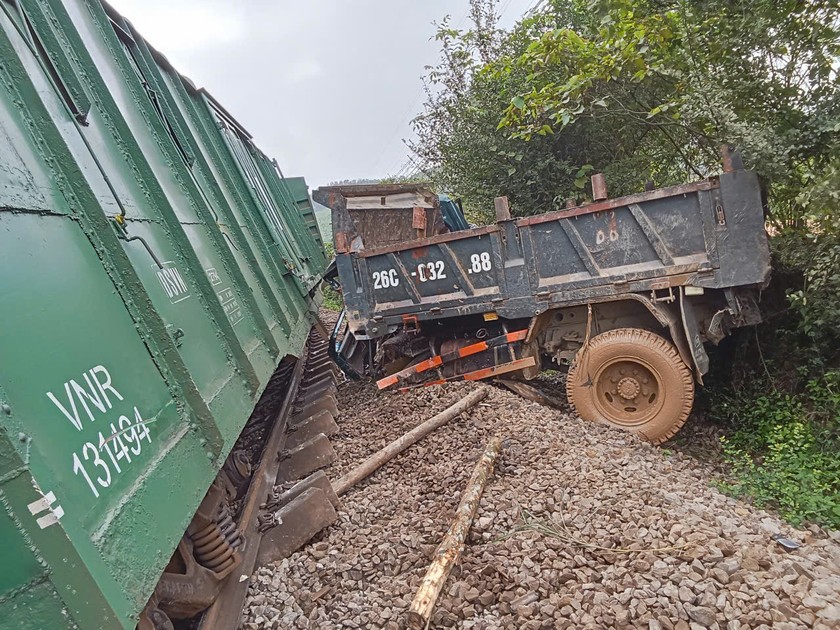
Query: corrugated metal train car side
(156, 268)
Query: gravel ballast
(581, 526)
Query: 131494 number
(123, 442)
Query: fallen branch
(396, 447)
(452, 545)
(532, 524)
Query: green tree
(459, 140)
(641, 90)
(647, 90)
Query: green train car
(155, 269)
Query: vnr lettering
(92, 392)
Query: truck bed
(709, 234)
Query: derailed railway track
(206, 581)
(269, 498)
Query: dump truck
(624, 293)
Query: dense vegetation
(647, 90)
(333, 300)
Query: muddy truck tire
(634, 380)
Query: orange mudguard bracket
(460, 353)
(502, 368)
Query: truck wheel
(634, 380)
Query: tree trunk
(450, 548)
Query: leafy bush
(817, 301)
(332, 299)
(782, 413)
(783, 449)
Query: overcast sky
(328, 87)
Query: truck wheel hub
(627, 391)
(628, 388)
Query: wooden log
(396, 447)
(452, 545)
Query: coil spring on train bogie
(238, 470)
(228, 528)
(213, 532)
(215, 544)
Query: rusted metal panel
(599, 187)
(383, 215)
(610, 204)
(432, 240)
(502, 209)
